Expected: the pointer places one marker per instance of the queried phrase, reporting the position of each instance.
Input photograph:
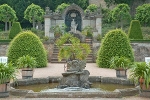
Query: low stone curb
(118, 93)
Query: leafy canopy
(7, 13)
(143, 14)
(92, 8)
(73, 50)
(34, 13)
(61, 7)
(121, 12)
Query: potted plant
(27, 63)
(71, 49)
(140, 73)
(120, 64)
(88, 31)
(58, 30)
(7, 72)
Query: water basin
(98, 85)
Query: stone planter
(3, 90)
(145, 92)
(27, 73)
(121, 73)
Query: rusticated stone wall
(3, 49)
(49, 49)
(141, 50)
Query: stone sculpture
(75, 75)
(73, 26)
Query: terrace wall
(141, 50)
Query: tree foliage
(92, 7)
(34, 13)
(115, 43)
(143, 14)
(135, 31)
(7, 14)
(61, 7)
(113, 2)
(20, 6)
(27, 43)
(121, 13)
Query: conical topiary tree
(135, 31)
(115, 43)
(15, 29)
(27, 43)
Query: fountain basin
(75, 93)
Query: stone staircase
(89, 59)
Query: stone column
(99, 24)
(48, 15)
(47, 26)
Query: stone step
(56, 54)
(54, 58)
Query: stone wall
(49, 49)
(3, 49)
(141, 50)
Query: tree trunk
(117, 24)
(39, 25)
(5, 26)
(33, 23)
(121, 23)
(9, 25)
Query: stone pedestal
(99, 25)
(47, 26)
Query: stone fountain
(75, 76)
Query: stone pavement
(54, 69)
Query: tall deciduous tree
(61, 7)
(143, 14)
(112, 2)
(7, 14)
(121, 13)
(34, 13)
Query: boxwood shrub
(15, 29)
(135, 31)
(115, 43)
(27, 43)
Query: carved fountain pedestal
(75, 75)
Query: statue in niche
(73, 26)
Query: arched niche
(73, 12)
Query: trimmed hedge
(3, 41)
(115, 43)
(15, 29)
(139, 41)
(27, 43)
(135, 31)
